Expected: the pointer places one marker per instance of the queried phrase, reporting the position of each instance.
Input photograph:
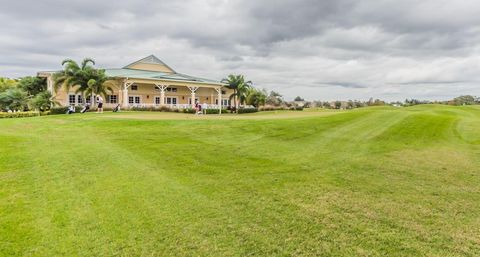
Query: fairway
(378, 181)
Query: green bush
(278, 108)
(19, 114)
(188, 110)
(152, 109)
(59, 110)
(295, 108)
(215, 111)
(247, 110)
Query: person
(197, 106)
(204, 108)
(100, 104)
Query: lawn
(368, 182)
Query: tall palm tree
(85, 77)
(240, 88)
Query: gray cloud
(358, 49)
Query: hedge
(154, 109)
(20, 114)
(278, 108)
(246, 110)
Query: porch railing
(172, 106)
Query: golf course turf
(378, 181)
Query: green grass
(368, 182)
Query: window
(79, 99)
(168, 100)
(134, 99)
(113, 99)
(71, 99)
(134, 87)
(87, 100)
(171, 89)
(224, 92)
(190, 100)
(171, 100)
(225, 102)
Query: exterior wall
(150, 67)
(147, 91)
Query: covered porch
(173, 94)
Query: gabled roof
(152, 75)
(152, 62)
(142, 69)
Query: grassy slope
(375, 181)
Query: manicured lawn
(368, 182)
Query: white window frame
(74, 99)
(196, 99)
(225, 102)
(134, 96)
(109, 98)
(171, 97)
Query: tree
(256, 97)
(240, 88)
(13, 99)
(43, 101)
(338, 104)
(33, 85)
(6, 83)
(274, 98)
(298, 99)
(100, 85)
(464, 100)
(85, 77)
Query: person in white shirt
(100, 104)
(204, 108)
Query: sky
(317, 49)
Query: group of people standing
(86, 108)
(200, 108)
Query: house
(149, 82)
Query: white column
(193, 90)
(126, 85)
(162, 93)
(219, 91)
(162, 96)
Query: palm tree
(256, 97)
(240, 88)
(87, 79)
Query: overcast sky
(318, 49)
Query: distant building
(150, 82)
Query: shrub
(247, 110)
(278, 108)
(152, 109)
(215, 111)
(19, 114)
(188, 110)
(59, 110)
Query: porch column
(162, 93)
(126, 85)
(219, 91)
(193, 90)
